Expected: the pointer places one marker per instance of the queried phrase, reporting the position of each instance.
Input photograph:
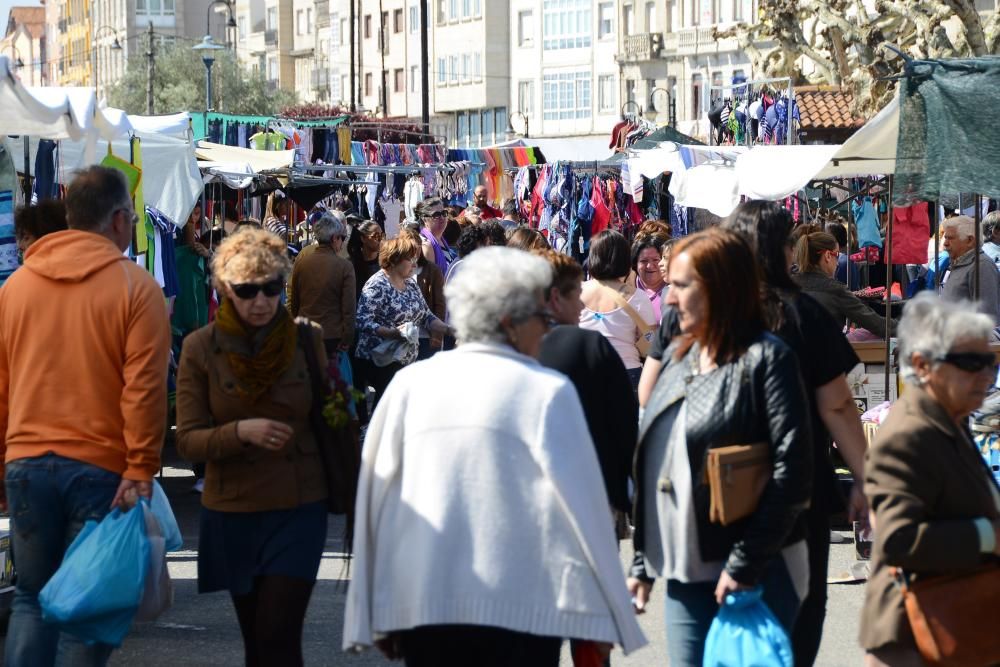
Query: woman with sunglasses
(434, 217)
(818, 254)
(362, 248)
(390, 300)
(243, 401)
(936, 507)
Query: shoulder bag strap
(629, 310)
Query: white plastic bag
(158, 594)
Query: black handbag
(339, 449)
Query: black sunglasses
(249, 291)
(970, 362)
(437, 214)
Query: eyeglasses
(970, 362)
(437, 214)
(249, 291)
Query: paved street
(202, 630)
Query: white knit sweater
(481, 502)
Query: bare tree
(840, 42)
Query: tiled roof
(826, 108)
(32, 18)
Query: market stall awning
(55, 113)
(244, 160)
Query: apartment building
(669, 60)
(563, 76)
(266, 38)
(24, 44)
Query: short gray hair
(990, 223)
(327, 227)
(93, 197)
(963, 224)
(932, 326)
(492, 283)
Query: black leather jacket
(757, 398)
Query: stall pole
(978, 216)
(937, 249)
(888, 289)
(27, 170)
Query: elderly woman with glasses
(935, 506)
(482, 524)
(322, 285)
(243, 401)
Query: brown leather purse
(737, 475)
(952, 616)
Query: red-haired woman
(744, 387)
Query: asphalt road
(202, 629)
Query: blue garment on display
(867, 222)
(46, 185)
(8, 244)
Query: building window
(155, 8)
(606, 20)
(606, 93)
(477, 66)
(477, 8)
(629, 90)
(442, 13)
(442, 73)
(272, 69)
(453, 10)
(336, 89)
(368, 84)
(526, 97)
(397, 20)
(462, 123)
(414, 78)
(566, 24)
(628, 19)
(475, 129)
(696, 96)
(241, 27)
(368, 26)
(466, 9)
(466, 66)
(487, 138)
(525, 29)
(566, 96)
(272, 18)
(344, 33)
(716, 91)
(414, 18)
(300, 22)
(651, 17)
(399, 81)
(453, 69)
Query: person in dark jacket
(599, 376)
(825, 357)
(959, 283)
(936, 507)
(817, 258)
(744, 387)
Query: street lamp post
(207, 48)
(115, 46)
(671, 108)
(511, 133)
(231, 23)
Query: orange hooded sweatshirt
(84, 347)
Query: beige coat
(926, 484)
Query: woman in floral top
(390, 299)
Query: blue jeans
(691, 608)
(50, 498)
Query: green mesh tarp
(949, 130)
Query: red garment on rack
(910, 230)
(617, 133)
(537, 198)
(602, 214)
(633, 211)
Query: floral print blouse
(382, 305)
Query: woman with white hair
(935, 505)
(482, 525)
(322, 284)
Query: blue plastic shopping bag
(96, 590)
(165, 517)
(347, 375)
(746, 634)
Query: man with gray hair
(959, 281)
(84, 346)
(322, 284)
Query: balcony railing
(271, 37)
(641, 47)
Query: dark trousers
(378, 377)
(462, 645)
(809, 624)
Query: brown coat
(926, 484)
(241, 477)
(322, 289)
(431, 282)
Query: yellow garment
(344, 143)
(256, 373)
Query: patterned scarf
(261, 356)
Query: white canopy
(769, 172)
(237, 167)
(55, 113)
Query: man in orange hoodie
(84, 346)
